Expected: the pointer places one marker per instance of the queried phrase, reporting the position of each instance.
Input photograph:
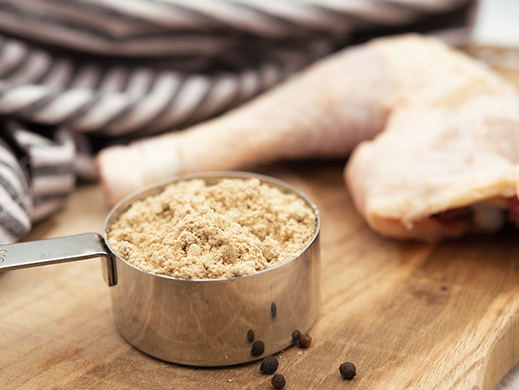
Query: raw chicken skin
(456, 159)
(453, 142)
(448, 137)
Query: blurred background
(498, 23)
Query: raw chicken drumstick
(324, 111)
(445, 163)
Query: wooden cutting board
(408, 315)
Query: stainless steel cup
(194, 322)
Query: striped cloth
(79, 75)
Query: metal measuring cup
(194, 322)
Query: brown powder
(193, 230)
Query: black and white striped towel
(78, 75)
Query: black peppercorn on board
(407, 315)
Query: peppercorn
(278, 381)
(273, 309)
(269, 365)
(250, 335)
(305, 341)
(347, 370)
(295, 335)
(258, 347)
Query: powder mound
(193, 230)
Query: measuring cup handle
(58, 250)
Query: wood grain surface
(407, 315)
